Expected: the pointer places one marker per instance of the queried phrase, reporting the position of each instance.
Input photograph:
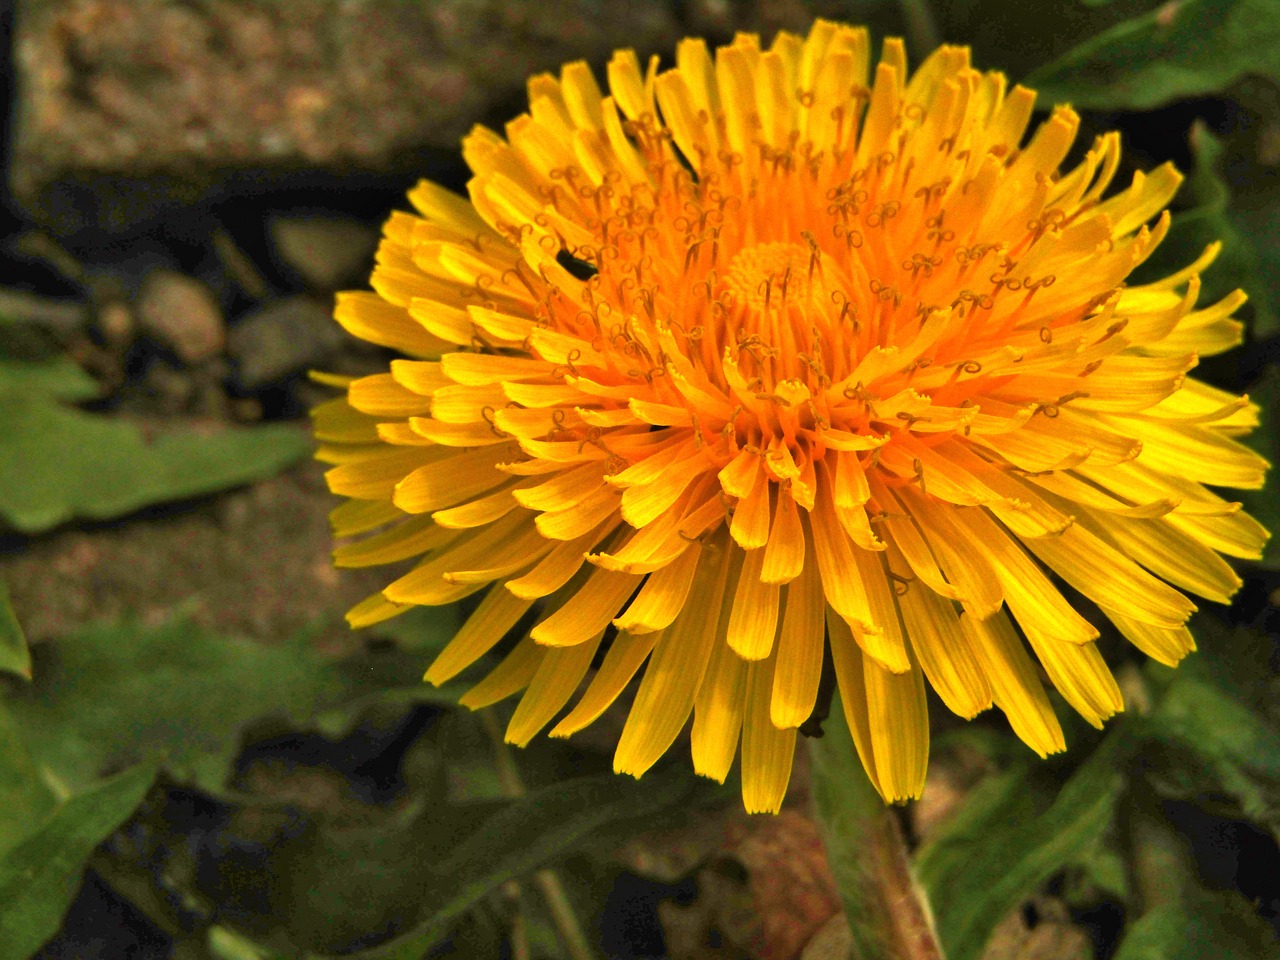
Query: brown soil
(253, 562)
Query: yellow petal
(450, 480)
(887, 647)
(555, 681)
(1015, 687)
(784, 553)
(721, 701)
(1079, 673)
(944, 651)
(831, 548)
(850, 678)
(1034, 602)
(510, 676)
(588, 611)
(898, 721)
(754, 618)
(408, 539)
(671, 681)
(555, 569)
(370, 317)
(626, 654)
(1165, 645)
(767, 752)
(1111, 579)
(361, 516)
(663, 595)
(375, 477)
(381, 395)
(374, 609)
(496, 614)
(717, 714)
(799, 652)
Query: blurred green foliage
(184, 698)
(119, 721)
(1205, 733)
(117, 694)
(57, 463)
(40, 873)
(14, 655)
(1177, 49)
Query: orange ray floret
(780, 353)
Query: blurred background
(197, 757)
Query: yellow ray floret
(782, 359)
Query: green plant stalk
(1159, 861)
(888, 914)
(547, 881)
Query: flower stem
(888, 914)
(547, 881)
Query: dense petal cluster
(780, 354)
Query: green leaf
(341, 880)
(1264, 504)
(57, 463)
(1182, 48)
(867, 853)
(1255, 210)
(999, 847)
(55, 376)
(226, 944)
(14, 655)
(25, 798)
(40, 876)
(1210, 219)
(1207, 926)
(528, 834)
(113, 694)
(1211, 726)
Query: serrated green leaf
(14, 655)
(40, 875)
(1207, 926)
(1182, 48)
(997, 849)
(111, 695)
(58, 463)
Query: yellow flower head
(783, 350)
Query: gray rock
(178, 92)
(326, 252)
(183, 314)
(283, 338)
(61, 317)
(116, 323)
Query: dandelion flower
(779, 354)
